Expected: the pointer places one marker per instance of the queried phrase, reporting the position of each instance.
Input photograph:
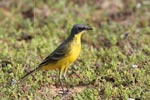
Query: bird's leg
(66, 78)
(60, 80)
(66, 84)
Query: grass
(29, 31)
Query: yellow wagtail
(65, 54)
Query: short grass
(114, 63)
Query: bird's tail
(29, 73)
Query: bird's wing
(56, 55)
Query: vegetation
(114, 63)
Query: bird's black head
(77, 28)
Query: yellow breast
(74, 50)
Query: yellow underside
(70, 57)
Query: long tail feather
(29, 73)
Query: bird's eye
(81, 28)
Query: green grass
(120, 39)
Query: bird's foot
(64, 92)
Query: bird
(65, 54)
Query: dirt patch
(57, 92)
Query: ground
(114, 63)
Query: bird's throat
(77, 38)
